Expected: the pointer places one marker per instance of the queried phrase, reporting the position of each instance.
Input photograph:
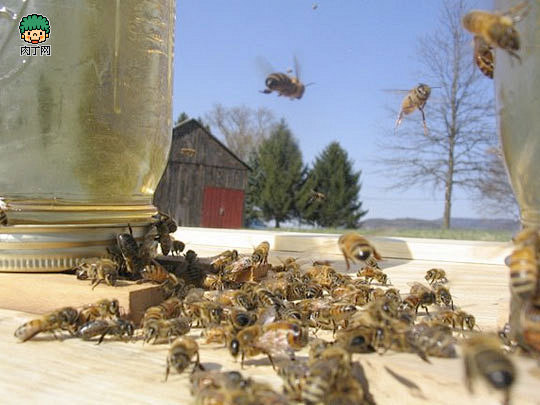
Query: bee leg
(452, 304)
(334, 328)
(426, 132)
(242, 361)
(468, 375)
(514, 54)
(398, 121)
(271, 361)
(167, 369)
(103, 336)
(95, 283)
(347, 261)
(427, 312)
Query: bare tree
(459, 115)
(242, 128)
(495, 194)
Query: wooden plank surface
(44, 370)
(442, 250)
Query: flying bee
(181, 354)
(63, 319)
(162, 329)
(3, 218)
(357, 248)
(260, 253)
(415, 99)
(436, 275)
(116, 327)
(189, 152)
(433, 340)
(102, 309)
(523, 265)
(484, 56)
(279, 338)
(497, 29)
(483, 356)
(371, 273)
(315, 196)
(286, 85)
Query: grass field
(459, 234)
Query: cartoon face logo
(34, 28)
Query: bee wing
(296, 67)
(269, 315)
(275, 343)
(264, 66)
(396, 91)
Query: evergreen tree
(281, 165)
(252, 212)
(332, 175)
(182, 117)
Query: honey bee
(433, 340)
(315, 196)
(213, 282)
(162, 329)
(331, 316)
(192, 273)
(293, 374)
(484, 56)
(530, 323)
(129, 249)
(260, 253)
(442, 295)
(523, 265)
(98, 270)
(240, 318)
(459, 319)
(415, 99)
(177, 247)
(352, 294)
(170, 308)
(117, 327)
(223, 259)
(102, 309)
(286, 85)
(436, 275)
(163, 237)
(370, 273)
(357, 340)
(216, 334)
(419, 296)
(357, 248)
(203, 312)
(166, 219)
(279, 338)
(189, 152)
(181, 354)
(63, 319)
(155, 272)
(497, 29)
(483, 357)
(3, 218)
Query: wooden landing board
(443, 250)
(39, 293)
(44, 370)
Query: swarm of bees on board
(253, 308)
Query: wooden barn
(206, 189)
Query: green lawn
(460, 234)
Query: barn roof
(189, 125)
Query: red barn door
(222, 208)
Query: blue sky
(351, 48)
